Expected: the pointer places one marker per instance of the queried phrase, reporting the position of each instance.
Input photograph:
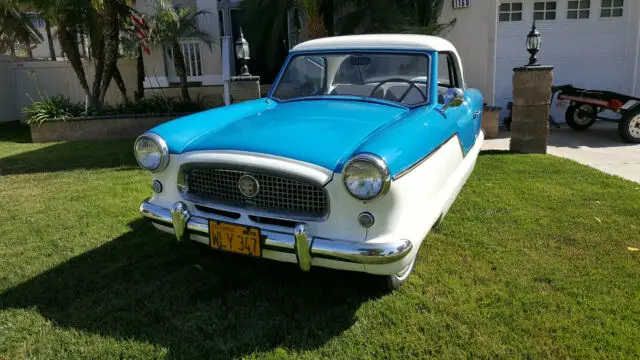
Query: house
(591, 43)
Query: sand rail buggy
(586, 105)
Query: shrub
(52, 108)
(61, 108)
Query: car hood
(321, 132)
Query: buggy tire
(581, 116)
(629, 126)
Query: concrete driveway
(599, 147)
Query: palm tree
(52, 49)
(71, 18)
(168, 26)
(112, 14)
(266, 23)
(131, 48)
(16, 27)
(390, 16)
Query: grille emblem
(248, 185)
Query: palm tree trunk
(12, 48)
(181, 69)
(69, 46)
(94, 31)
(111, 45)
(139, 93)
(28, 49)
(117, 77)
(52, 49)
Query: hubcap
(634, 127)
(583, 115)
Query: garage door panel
(589, 53)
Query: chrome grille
(278, 194)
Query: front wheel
(395, 281)
(629, 127)
(581, 116)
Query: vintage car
(359, 149)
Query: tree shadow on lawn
(72, 155)
(196, 302)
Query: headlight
(366, 177)
(151, 152)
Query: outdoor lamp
(534, 42)
(242, 53)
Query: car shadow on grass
(195, 302)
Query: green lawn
(532, 261)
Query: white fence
(22, 82)
(8, 96)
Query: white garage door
(584, 39)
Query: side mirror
(453, 98)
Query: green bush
(57, 107)
(61, 108)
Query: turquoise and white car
(359, 149)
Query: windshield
(401, 78)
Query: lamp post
(534, 42)
(242, 53)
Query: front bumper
(303, 248)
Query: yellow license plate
(237, 239)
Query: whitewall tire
(395, 281)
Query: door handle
(476, 114)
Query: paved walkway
(599, 147)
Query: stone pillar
(245, 88)
(531, 106)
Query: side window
(448, 76)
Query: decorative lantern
(534, 42)
(242, 53)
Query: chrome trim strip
(155, 213)
(198, 225)
(419, 162)
(197, 200)
(267, 163)
(425, 158)
(360, 253)
(279, 241)
(163, 148)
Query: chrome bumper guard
(300, 242)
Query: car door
(466, 116)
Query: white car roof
(378, 41)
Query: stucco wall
(474, 36)
(42, 49)
(211, 57)
(50, 78)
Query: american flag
(457, 4)
(140, 27)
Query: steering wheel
(404, 95)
